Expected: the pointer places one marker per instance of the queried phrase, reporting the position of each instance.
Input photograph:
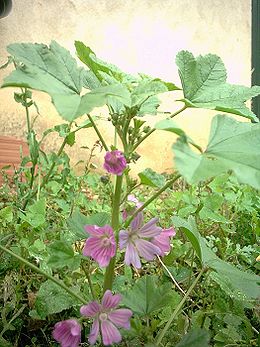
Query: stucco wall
(138, 36)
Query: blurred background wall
(138, 36)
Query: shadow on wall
(5, 8)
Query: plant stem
(86, 271)
(152, 130)
(153, 197)
(110, 270)
(45, 178)
(98, 133)
(51, 278)
(178, 308)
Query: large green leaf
(195, 338)
(62, 254)
(204, 85)
(240, 284)
(146, 297)
(232, 146)
(78, 220)
(54, 71)
(51, 299)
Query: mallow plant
(127, 238)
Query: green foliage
(35, 214)
(52, 299)
(6, 215)
(62, 254)
(54, 71)
(151, 178)
(146, 297)
(43, 214)
(77, 222)
(232, 146)
(204, 85)
(195, 338)
(240, 284)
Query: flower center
(106, 242)
(134, 237)
(103, 316)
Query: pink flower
(129, 210)
(107, 318)
(137, 240)
(101, 244)
(163, 240)
(115, 162)
(67, 333)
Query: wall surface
(138, 36)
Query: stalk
(110, 270)
(152, 130)
(153, 197)
(178, 308)
(98, 133)
(51, 278)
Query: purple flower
(67, 333)
(107, 318)
(115, 162)
(129, 210)
(137, 240)
(101, 245)
(163, 240)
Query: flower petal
(109, 300)
(146, 249)
(123, 238)
(131, 256)
(121, 317)
(90, 310)
(137, 221)
(91, 244)
(150, 229)
(67, 333)
(163, 240)
(110, 333)
(92, 230)
(92, 338)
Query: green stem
(152, 130)
(98, 132)
(178, 308)
(110, 270)
(49, 277)
(153, 197)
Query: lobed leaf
(233, 145)
(204, 85)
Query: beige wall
(138, 36)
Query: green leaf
(240, 284)
(195, 338)
(169, 125)
(98, 66)
(35, 214)
(101, 96)
(70, 139)
(146, 297)
(233, 145)
(204, 85)
(190, 231)
(51, 299)
(6, 215)
(78, 220)
(151, 178)
(54, 71)
(62, 254)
